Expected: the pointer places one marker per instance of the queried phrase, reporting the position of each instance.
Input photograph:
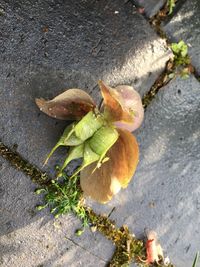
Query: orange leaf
(115, 173)
(73, 104)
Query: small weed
(196, 260)
(63, 197)
(181, 64)
(171, 5)
(180, 51)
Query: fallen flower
(102, 138)
(114, 174)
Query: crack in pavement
(36, 175)
(17, 161)
(91, 253)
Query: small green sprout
(182, 64)
(79, 232)
(171, 5)
(63, 197)
(180, 51)
(196, 259)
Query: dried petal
(125, 157)
(153, 248)
(73, 104)
(115, 173)
(132, 101)
(123, 105)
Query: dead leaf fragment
(73, 104)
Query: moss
(127, 247)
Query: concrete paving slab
(151, 7)
(29, 238)
(48, 46)
(108, 40)
(185, 25)
(164, 194)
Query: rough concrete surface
(29, 238)
(108, 40)
(47, 46)
(164, 194)
(151, 7)
(185, 25)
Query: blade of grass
(196, 259)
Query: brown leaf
(117, 172)
(73, 104)
(123, 105)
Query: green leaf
(180, 51)
(74, 153)
(41, 207)
(171, 5)
(180, 45)
(89, 156)
(171, 75)
(62, 141)
(88, 125)
(175, 48)
(79, 232)
(184, 50)
(40, 191)
(103, 139)
(72, 140)
(185, 76)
